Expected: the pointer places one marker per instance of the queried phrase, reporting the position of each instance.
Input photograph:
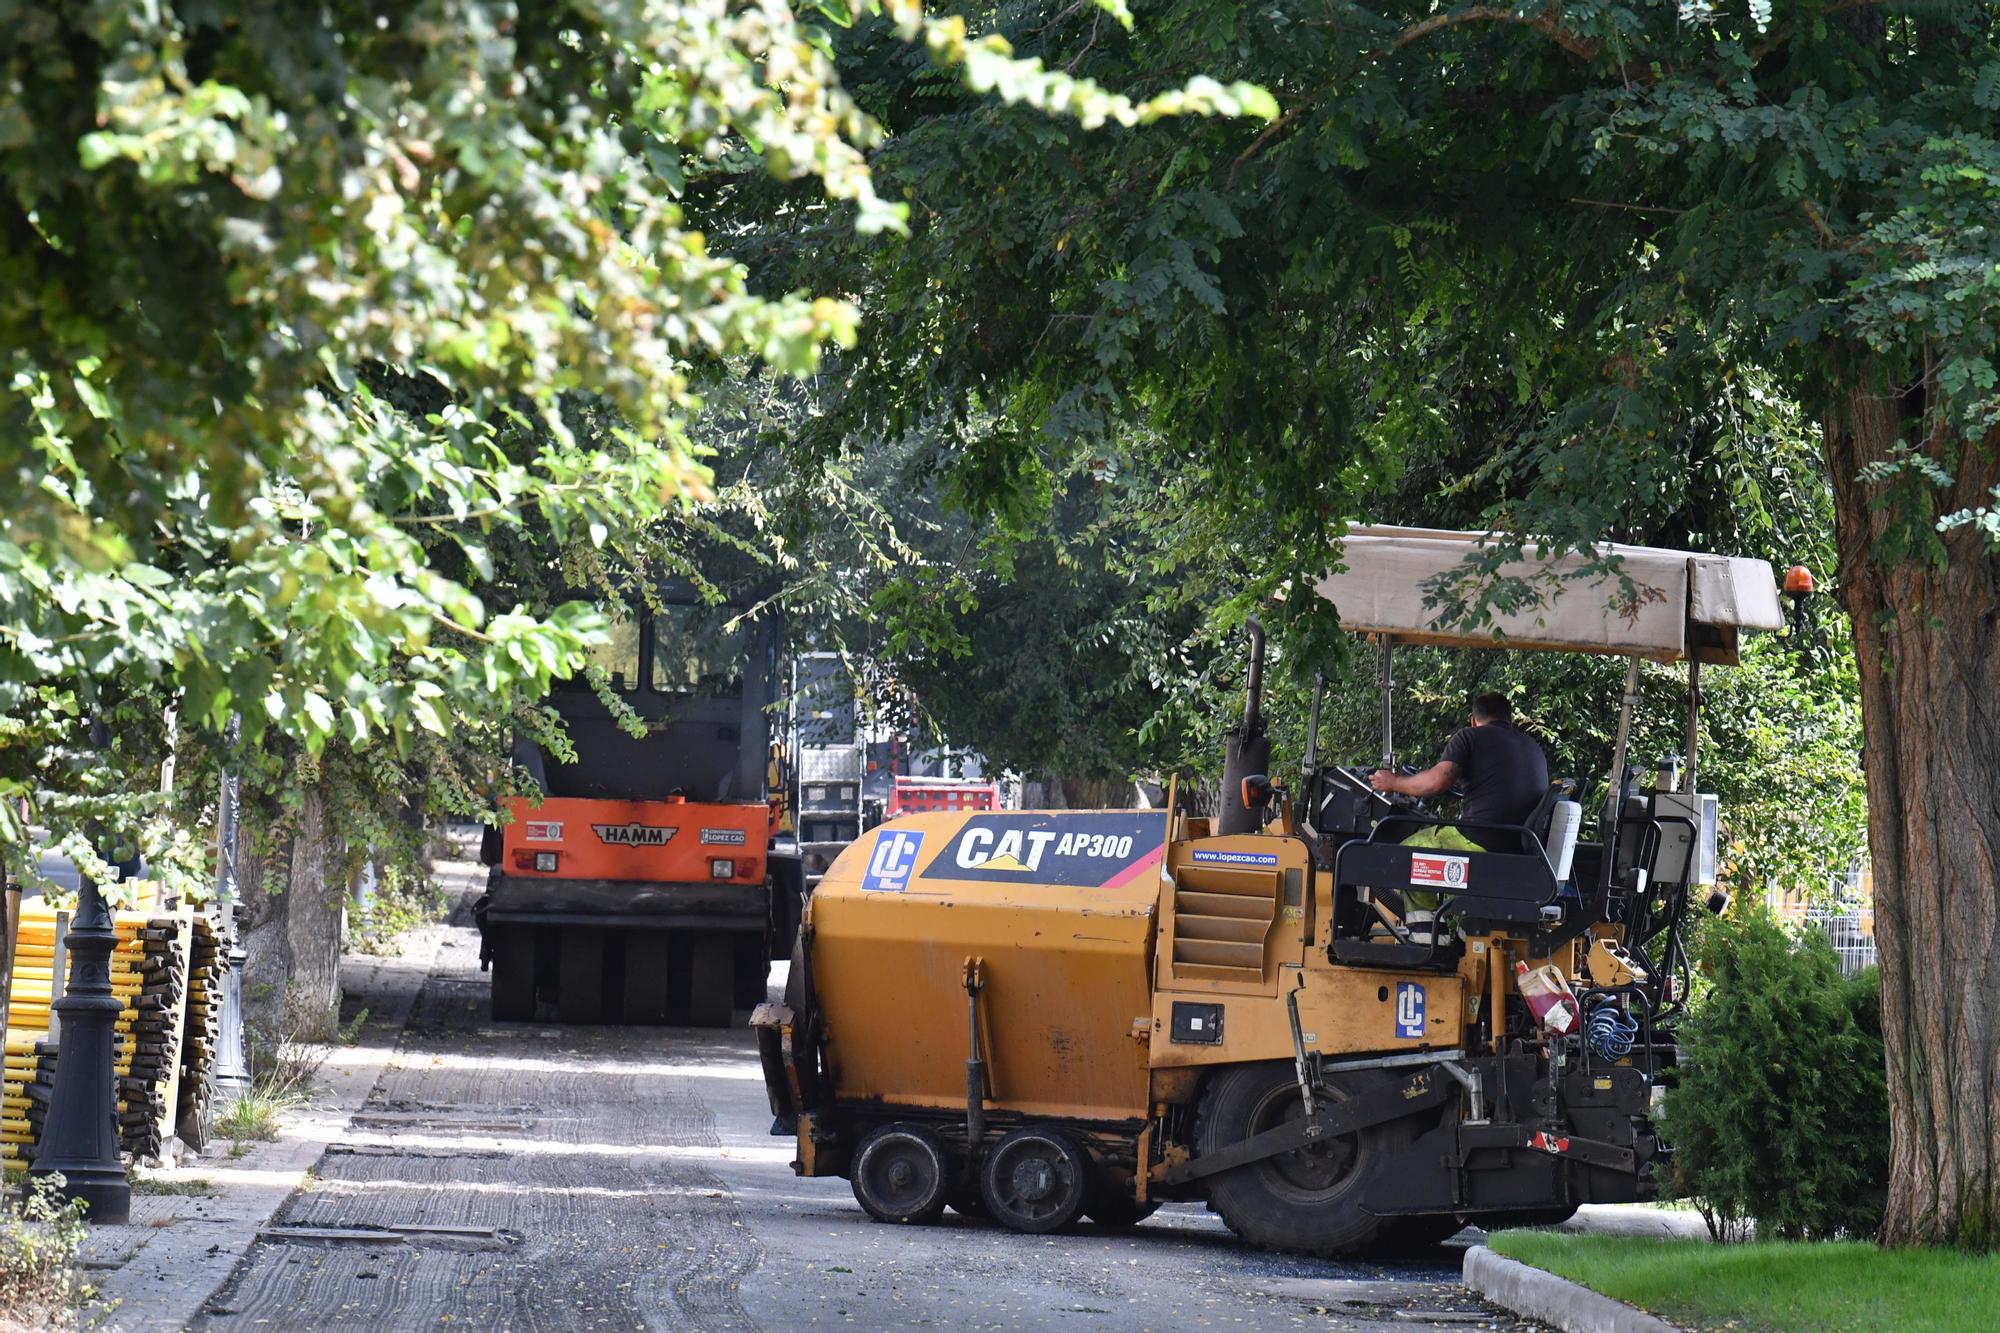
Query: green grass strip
(1836, 1285)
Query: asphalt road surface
(624, 1178)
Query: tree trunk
(312, 919)
(1927, 641)
(291, 922)
(267, 952)
(1095, 793)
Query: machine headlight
(721, 867)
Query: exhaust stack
(1246, 750)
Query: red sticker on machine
(544, 830)
(1428, 871)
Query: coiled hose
(1609, 1030)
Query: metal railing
(1847, 921)
(1850, 931)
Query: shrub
(404, 900)
(1781, 1112)
(254, 1114)
(41, 1248)
(285, 1051)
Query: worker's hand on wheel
(1382, 780)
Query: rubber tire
(1262, 1205)
(1402, 1237)
(1071, 1179)
(1112, 1206)
(919, 1202)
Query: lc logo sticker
(893, 862)
(1409, 1009)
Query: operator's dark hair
(1492, 707)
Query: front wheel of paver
(1035, 1180)
(901, 1174)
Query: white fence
(1847, 919)
(1850, 931)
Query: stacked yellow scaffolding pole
(29, 1069)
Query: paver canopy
(1638, 601)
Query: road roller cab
(1047, 1014)
(651, 879)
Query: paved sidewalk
(156, 1272)
(1637, 1219)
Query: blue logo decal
(1409, 1009)
(1251, 860)
(894, 861)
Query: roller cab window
(696, 652)
(620, 656)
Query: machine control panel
(1197, 1024)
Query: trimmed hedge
(1781, 1112)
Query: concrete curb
(1540, 1295)
(164, 1283)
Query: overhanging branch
(1548, 23)
(1783, 33)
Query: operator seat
(1565, 819)
(1537, 822)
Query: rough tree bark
(291, 931)
(267, 953)
(312, 919)
(1927, 640)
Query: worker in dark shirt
(1503, 774)
(1499, 767)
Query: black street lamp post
(80, 1137)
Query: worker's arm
(1433, 781)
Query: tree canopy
(295, 297)
(340, 341)
(1573, 262)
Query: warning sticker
(1081, 850)
(1247, 860)
(543, 830)
(1428, 870)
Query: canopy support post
(1311, 761)
(1694, 719)
(1387, 678)
(1625, 706)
